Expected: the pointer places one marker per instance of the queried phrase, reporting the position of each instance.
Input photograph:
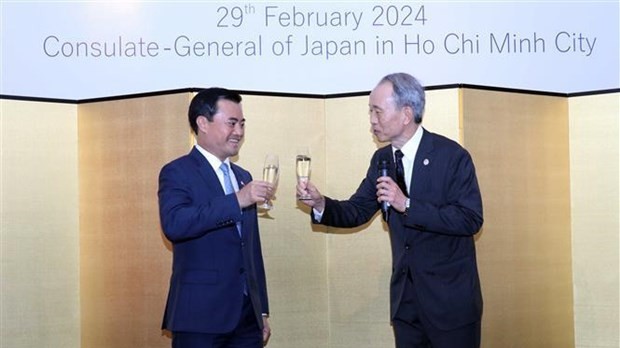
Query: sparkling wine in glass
(270, 174)
(302, 165)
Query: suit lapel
(206, 171)
(421, 175)
(212, 182)
(241, 181)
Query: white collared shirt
(216, 163)
(409, 150)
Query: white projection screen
(81, 50)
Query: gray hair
(407, 92)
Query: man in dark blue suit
(433, 207)
(207, 206)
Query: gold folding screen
(39, 293)
(328, 287)
(124, 259)
(595, 213)
(295, 257)
(520, 145)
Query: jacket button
(407, 247)
(241, 270)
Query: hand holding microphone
(388, 192)
(383, 172)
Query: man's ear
(202, 122)
(409, 114)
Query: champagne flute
(302, 165)
(270, 174)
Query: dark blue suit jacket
(433, 244)
(211, 262)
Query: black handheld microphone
(382, 166)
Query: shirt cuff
(318, 215)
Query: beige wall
(328, 287)
(39, 294)
(594, 127)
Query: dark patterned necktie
(400, 172)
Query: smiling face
(222, 137)
(389, 123)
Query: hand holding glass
(302, 164)
(270, 174)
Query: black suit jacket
(211, 262)
(433, 244)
